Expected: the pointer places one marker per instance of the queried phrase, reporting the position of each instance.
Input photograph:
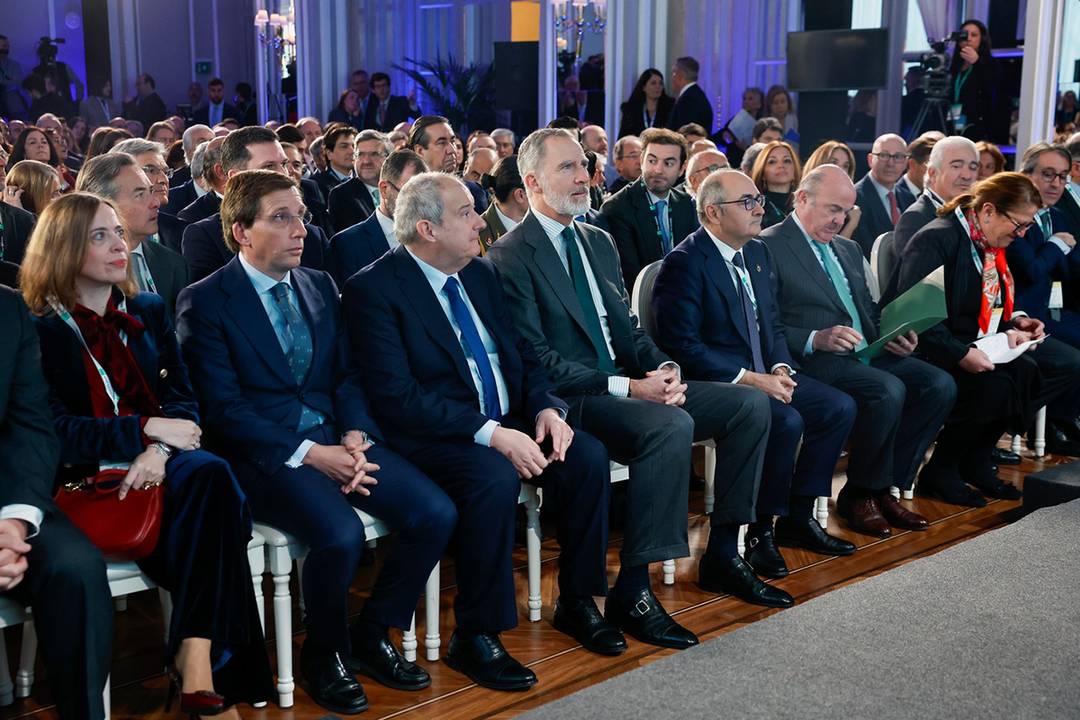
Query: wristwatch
(163, 449)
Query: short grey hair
(534, 148)
(503, 132)
(937, 153)
(750, 156)
(1073, 146)
(198, 160)
(98, 175)
(420, 199)
(711, 191)
(369, 135)
(138, 146)
(1036, 151)
(188, 139)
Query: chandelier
(564, 22)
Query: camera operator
(60, 73)
(12, 103)
(974, 76)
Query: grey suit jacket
(547, 312)
(808, 301)
(168, 270)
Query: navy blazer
(181, 196)
(699, 316)
(692, 106)
(1071, 209)
(356, 247)
(205, 250)
(201, 208)
(1036, 263)
(349, 203)
(250, 400)
(875, 216)
(86, 441)
(413, 365)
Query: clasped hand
(13, 550)
(662, 386)
(524, 452)
(346, 463)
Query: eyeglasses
(1049, 176)
(895, 157)
(709, 169)
(747, 201)
(156, 170)
(285, 220)
(1018, 229)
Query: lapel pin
(164, 373)
(758, 268)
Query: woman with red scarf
(120, 394)
(969, 238)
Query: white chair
(281, 550)
(1040, 435)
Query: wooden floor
(562, 666)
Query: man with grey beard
(566, 294)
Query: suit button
(164, 373)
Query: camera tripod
(933, 108)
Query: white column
(1042, 54)
(546, 80)
(893, 17)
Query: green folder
(920, 308)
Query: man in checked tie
(716, 315)
(827, 315)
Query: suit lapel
(551, 267)
(376, 238)
(872, 201)
(717, 270)
(313, 308)
(248, 312)
(647, 223)
(799, 248)
(474, 286)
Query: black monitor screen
(837, 59)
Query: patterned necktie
(382, 114)
(749, 315)
(470, 336)
(580, 281)
(840, 283)
(661, 223)
(296, 338)
(143, 278)
(894, 209)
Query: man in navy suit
(431, 138)
(716, 315)
(880, 194)
(208, 168)
(691, 103)
(365, 242)
(217, 109)
(249, 148)
(462, 395)
(386, 111)
(354, 200)
(270, 363)
(339, 144)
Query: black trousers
(1059, 368)
(654, 440)
(73, 613)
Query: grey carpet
(989, 628)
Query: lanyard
(647, 118)
(960, 80)
(144, 272)
(1044, 223)
(975, 257)
(70, 322)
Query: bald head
(720, 211)
(481, 161)
(888, 159)
(594, 138)
(825, 197)
(700, 166)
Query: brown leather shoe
(899, 516)
(863, 514)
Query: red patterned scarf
(995, 276)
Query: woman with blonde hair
(832, 152)
(121, 398)
(776, 173)
(31, 185)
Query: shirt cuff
(618, 386)
(808, 349)
(739, 376)
(673, 365)
(32, 516)
(791, 370)
(1061, 245)
(483, 435)
(560, 411)
(297, 457)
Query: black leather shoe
(953, 491)
(580, 619)
(763, 556)
(1004, 457)
(807, 534)
(329, 682)
(381, 661)
(1058, 441)
(482, 657)
(735, 577)
(994, 487)
(1072, 428)
(644, 618)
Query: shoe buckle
(642, 606)
(752, 543)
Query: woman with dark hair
(347, 111)
(648, 105)
(776, 173)
(80, 136)
(974, 77)
(34, 144)
(969, 238)
(121, 397)
(103, 139)
(778, 104)
(991, 159)
(509, 203)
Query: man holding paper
(827, 316)
(715, 314)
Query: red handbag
(126, 530)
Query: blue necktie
(661, 222)
(750, 316)
(470, 336)
(296, 338)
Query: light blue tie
(662, 223)
(840, 283)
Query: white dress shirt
(506, 221)
(387, 225)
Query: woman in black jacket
(648, 105)
(974, 77)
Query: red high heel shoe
(196, 704)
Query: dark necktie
(894, 209)
(475, 347)
(298, 348)
(749, 315)
(580, 282)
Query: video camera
(936, 65)
(47, 49)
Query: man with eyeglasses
(269, 360)
(367, 241)
(249, 148)
(354, 200)
(700, 166)
(828, 316)
(627, 162)
(150, 157)
(880, 194)
(716, 315)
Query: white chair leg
(120, 603)
(106, 697)
(908, 494)
(7, 689)
(894, 491)
(1040, 432)
(300, 583)
(283, 631)
(532, 544)
(741, 548)
(24, 676)
(260, 601)
(432, 641)
(669, 572)
(1016, 440)
(166, 610)
(710, 478)
(821, 511)
(408, 641)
